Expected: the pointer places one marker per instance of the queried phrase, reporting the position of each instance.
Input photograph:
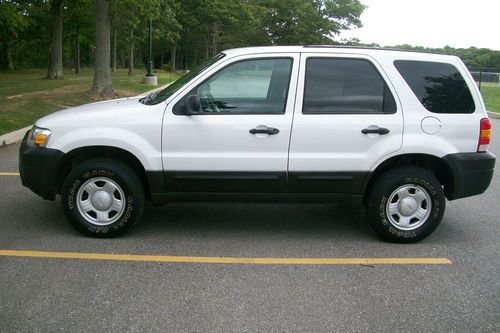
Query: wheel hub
(102, 200)
(408, 206)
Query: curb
(493, 115)
(17, 135)
(13, 137)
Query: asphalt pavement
(82, 295)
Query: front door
(238, 141)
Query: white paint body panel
(334, 142)
(222, 142)
(122, 123)
(164, 141)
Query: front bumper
(38, 168)
(471, 173)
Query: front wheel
(102, 197)
(405, 204)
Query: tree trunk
(113, 58)
(77, 58)
(102, 85)
(207, 49)
(55, 65)
(8, 57)
(215, 39)
(131, 54)
(161, 60)
(173, 50)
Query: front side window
(257, 86)
(161, 96)
(439, 87)
(345, 86)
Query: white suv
(397, 131)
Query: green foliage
(25, 27)
(13, 24)
(131, 14)
(491, 96)
(197, 28)
(307, 22)
(167, 27)
(473, 57)
(12, 21)
(26, 96)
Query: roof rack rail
(333, 46)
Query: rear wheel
(102, 197)
(405, 204)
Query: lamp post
(150, 58)
(150, 78)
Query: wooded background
(64, 35)
(186, 32)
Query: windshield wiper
(149, 98)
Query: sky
(430, 23)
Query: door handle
(264, 130)
(375, 130)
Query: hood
(103, 112)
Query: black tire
(123, 187)
(422, 192)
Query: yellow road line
(9, 173)
(228, 260)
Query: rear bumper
(472, 173)
(38, 168)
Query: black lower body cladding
(38, 168)
(472, 173)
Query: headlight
(38, 137)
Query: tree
(32, 46)
(189, 31)
(207, 20)
(307, 21)
(12, 23)
(78, 24)
(102, 85)
(167, 29)
(55, 61)
(113, 48)
(130, 15)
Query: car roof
(375, 52)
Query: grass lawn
(26, 95)
(491, 96)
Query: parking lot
(186, 268)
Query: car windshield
(158, 97)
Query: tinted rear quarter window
(439, 87)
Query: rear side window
(439, 86)
(345, 86)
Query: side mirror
(192, 105)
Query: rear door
(238, 142)
(346, 119)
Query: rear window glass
(439, 87)
(345, 86)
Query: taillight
(484, 135)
